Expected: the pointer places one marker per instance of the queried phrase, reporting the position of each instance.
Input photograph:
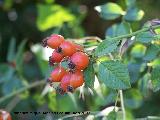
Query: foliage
(122, 80)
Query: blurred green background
(23, 25)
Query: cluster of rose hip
(71, 77)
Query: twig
(13, 103)
(115, 105)
(35, 84)
(149, 118)
(134, 33)
(122, 104)
(111, 56)
(89, 38)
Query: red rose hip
(65, 82)
(53, 41)
(79, 61)
(57, 74)
(55, 58)
(67, 48)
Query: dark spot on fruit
(59, 50)
(70, 89)
(44, 42)
(71, 65)
(51, 61)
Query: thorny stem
(122, 105)
(35, 84)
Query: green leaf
(89, 75)
(67, 103)
(134, 71)
(50, 16)
(110, 11)
(118, 29)
(114, 74)
(134, 14)
(155, 63)
(157, 37)
(130, 3)
(157, 30)
(112, 115)
(7, 4)
(133, 98)
(49, 1)
(119, 115)
(52, 102)
(19, 55)
(12, 85)
(123, 28)
(143, 84)
(111, 31)
(39, 99)
(11, 50)
(155, 77)
(151, 53)
(106, 47)
(138, 51)
(145, 37)
(110, 97)
(6, 72)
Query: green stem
(127, 35)
(134, 33)
(122, 105)
(35, 84)
(115, 105)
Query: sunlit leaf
(134, 14)
(154, 63)
(49, 1)
(138, 50)
(110, 11)
(50, 16)
(133, 98)
(7, 4)
(52, 102)
(130, 3)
